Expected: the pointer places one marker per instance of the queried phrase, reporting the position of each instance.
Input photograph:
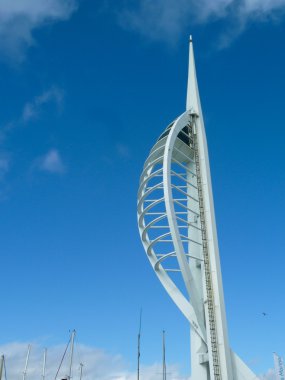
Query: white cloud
(19, 19)
(269, 375)
(263, 6)
(98, 364)
(169, 19)
(51, 162)
(32, 109)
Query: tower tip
(192, 102)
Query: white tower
(177, 225)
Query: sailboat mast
(163, 357)
(81, 370)
(1, 366)
(44, 364)
(27, 362)
(71, 353)
(139, 346)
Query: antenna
(44, 364)
(71, 353)
(163, 357)
(139, 344)
(27, 361)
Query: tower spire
(193, 99)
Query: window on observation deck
(184, 135)
(166, 132)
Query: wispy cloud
(123, 150)
(4, 165)
(32, 109)
(20, 18)
(98, 364)
(269, 375)
(51, 162)
(169, 19)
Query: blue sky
(86, 88)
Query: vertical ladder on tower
(207, 267)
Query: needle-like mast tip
(190, 38)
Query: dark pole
(163, 357)
(139, 345)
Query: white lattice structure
(177, 226)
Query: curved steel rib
(164, 204)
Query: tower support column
(199, 358)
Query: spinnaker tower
(177, 226)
